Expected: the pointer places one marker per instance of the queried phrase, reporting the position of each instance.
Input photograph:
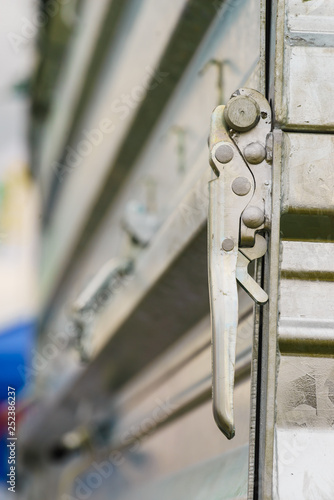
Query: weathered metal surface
(73, 75)
(221, 477)
(169, 452)
(308, 178)
(176, 385)
(295, 395)
(304, 428)
(169, 279)
(92, 144)
(110, 239)
(184, 388)
(303, 66)
(190, 102)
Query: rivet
(241, 186)
(253, 217)
(242, 113)
(224, 153)
(228, 244)
(254, 153)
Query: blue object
(16, 351)
(16, 347)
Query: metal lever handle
(231, 192)
(224, 221)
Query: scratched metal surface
(298, 409)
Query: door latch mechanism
(239, 209)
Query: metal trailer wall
(296, 417)
(191, 56)
(138, 416)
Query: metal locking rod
(238, 209)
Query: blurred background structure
(105, 109)
(19, 222)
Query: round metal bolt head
(253, 217)
(254, 153)
(228, 244)
(242, 113)
(241, 186)
(224, 153)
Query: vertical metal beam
(295, 406)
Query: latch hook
(238, 209)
